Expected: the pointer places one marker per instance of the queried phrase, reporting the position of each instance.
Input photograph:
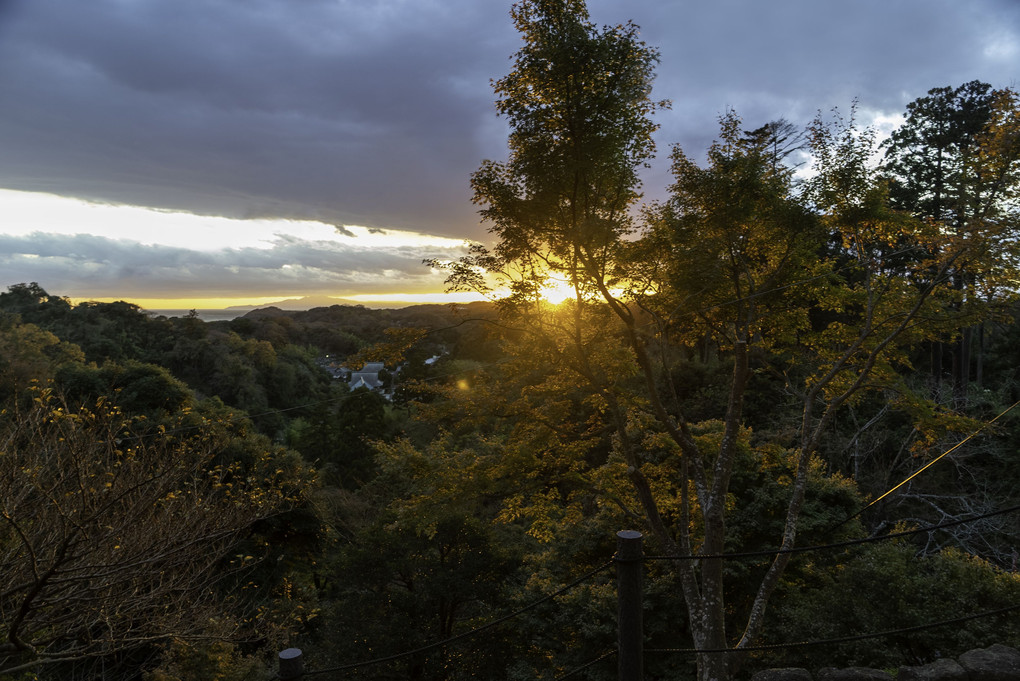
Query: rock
(939, 670)
(853, 674)
(994, 663)
(787, 674)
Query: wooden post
(291, 664)
(630, 630)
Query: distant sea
(204, 315)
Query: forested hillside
(769, 360)
(412, 520)
(156, 413)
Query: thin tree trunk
(979, 368)
(961, 368)
(935, 368)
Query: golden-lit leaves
(438, 481)
(135, 518)
(933, 424)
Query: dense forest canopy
(756, 362)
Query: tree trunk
(961, 368)
(713, 667)
(935, 367)
(979, 364)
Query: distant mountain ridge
(297, 304)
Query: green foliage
(34, 301)
(928, 156)
(727, 255)
(956, 161)
(212, 661)
(28, 354)
(435, 585)
(117, 331)
(578, 105)
(247, 373)
(418, 547)
(136, 387)
(337, 435)
(817, 298)
(886, 586)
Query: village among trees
(752, 365)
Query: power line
(836, 545)
(577, 670)
(926, 466)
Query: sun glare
(556, 292)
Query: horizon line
(244, 303)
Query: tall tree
(578, 104)
(928, 155)
(781, 139)
(956, 160)
(741, 265)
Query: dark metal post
(291, 664)
(630, 634)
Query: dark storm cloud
(357, 113)
(93, 266)
(375, 113)
(793, 58)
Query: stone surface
(994, 663)
(788, 674)
(853, 674)
(939, 670)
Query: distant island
(302, 303)
(290, 304)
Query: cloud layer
(94, 266)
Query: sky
(203, 153)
